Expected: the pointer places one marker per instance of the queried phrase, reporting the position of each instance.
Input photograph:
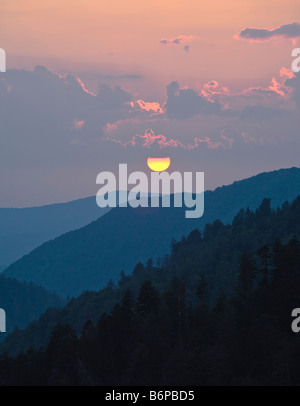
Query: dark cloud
(180, 39)
(113, 98)
(286, 31)
(186, 103)
(260, 113)
(51, 109)
(186, 48)
(294, 83)
(175, 41)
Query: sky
(91, 84)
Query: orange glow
(149, 106)
(158, 164)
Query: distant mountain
(22, 230)
(86, 259)
(24, 302)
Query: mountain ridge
(87, 258)
(23, 229)
(24, 302)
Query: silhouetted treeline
(165, 339)
(217, 310)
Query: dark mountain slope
(24, 302)
(87, 258)
(215, 255)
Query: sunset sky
(119, 81)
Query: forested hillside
(162, 338)
(209, 260)
(24, 302)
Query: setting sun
(158, 164)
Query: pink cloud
(288, 73)
(275, 88)
(153, 107)
(227, 139)
(213, 87)
(78, 124)
(83, 87)
(149, 138)
(112, 127)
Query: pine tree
(148, 299)
(248, 270)
(201, 289)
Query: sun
(158, 164)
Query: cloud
(83, 87)
(276, 96)
(78, 124)
(287, 31)
(213, 117)
(288, 73)
(214, 88)
(185, 103)
(112, 98)
(294, 84)
(180, 39)
(260, 113)
(56, 132)
(149, 138)
(152, 107)
(186, 48)
(52, 108)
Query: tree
(195, 237)
(264, 255)
(201, 289)
(248, 270)
(264, 209)
(123, 279)
(61, 354)
(148, 299)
